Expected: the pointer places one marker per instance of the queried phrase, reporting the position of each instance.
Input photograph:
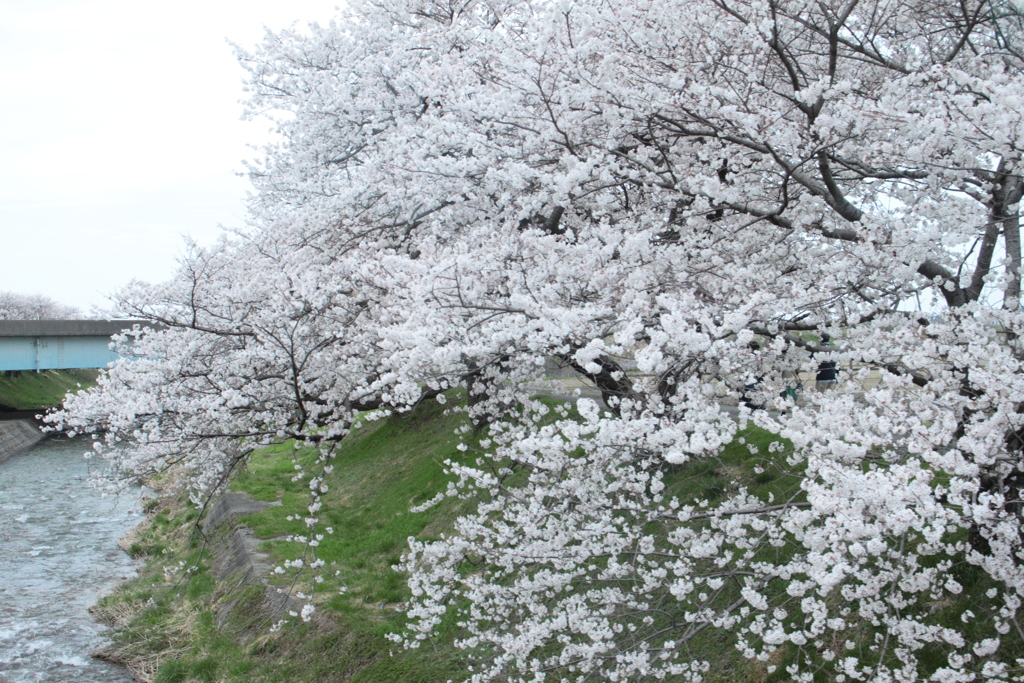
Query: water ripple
(59, 555)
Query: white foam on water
(72, 660)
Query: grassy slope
(31, 390)
(168, 627)
(383, 469)
(387, 466)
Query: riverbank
(215, 582)
(17, 436)
(204, 604)
(207, 595)
(27, 390)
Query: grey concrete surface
(68, 328)
(17, 436)
(232, 504)
(237, 559)
(240, 557)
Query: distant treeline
(14, 306)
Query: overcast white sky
(119, 133)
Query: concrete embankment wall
(17, 436)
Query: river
(58, 556)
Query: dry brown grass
(133, 536)
(142, 661)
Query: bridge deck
(59, 344)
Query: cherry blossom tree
(14, 306)
(464, 191)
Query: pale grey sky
(119, 133)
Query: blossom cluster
(674, 201)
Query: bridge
(60, 344)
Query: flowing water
(58, 556)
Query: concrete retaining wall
(17, 436)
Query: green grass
(388, 467)
(382, 470)
(28, 390)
